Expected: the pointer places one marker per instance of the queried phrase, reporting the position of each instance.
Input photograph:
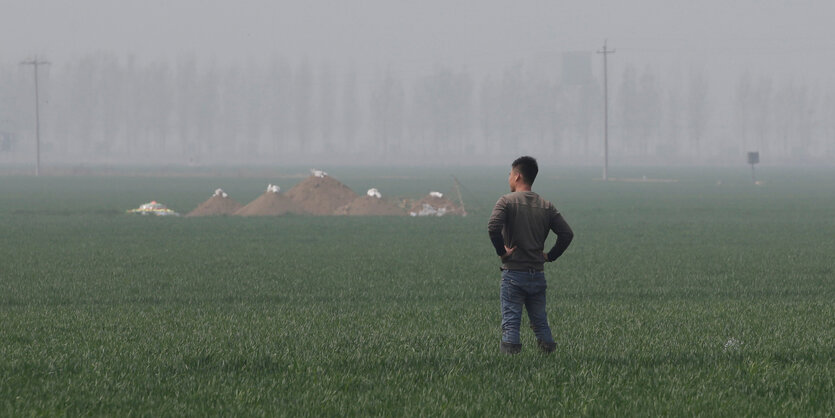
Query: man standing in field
(518, 227)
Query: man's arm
(495, 226)
(564, 235)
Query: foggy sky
(788, 36)
(209, 78)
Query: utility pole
(460, 199)
(605, 53)
(35, 63)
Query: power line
(35, 63)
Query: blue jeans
(527, 288)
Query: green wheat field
(706, 296)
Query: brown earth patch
(269, 204)
(370, 206)
(321, 195)
(216, 205)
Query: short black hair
(527, 166)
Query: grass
(107, 314)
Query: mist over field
(196, 83)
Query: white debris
(429, 210)
(436, 194)
(732, 344)
(374, 193)
(220, 192)
(153, 205)
(273, 188)
(154, 208)
(318, 173)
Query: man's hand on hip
(508, 252)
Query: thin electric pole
(460, 199)
(605, 53)
(35, 63)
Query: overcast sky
(794, 36)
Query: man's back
(523, 219)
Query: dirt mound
(435, 206)
(216, 205)
(371, 206)
(321, 195)
(269, 204)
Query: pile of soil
(434, 206)
(369, 205)
(269, 204)
(321, 195)
(216, 205)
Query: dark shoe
(509, 348)
(546, 348)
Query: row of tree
(100, 108)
